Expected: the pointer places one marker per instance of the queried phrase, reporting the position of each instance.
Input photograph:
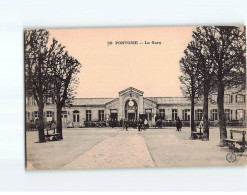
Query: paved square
(115, 148)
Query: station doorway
(131, 110)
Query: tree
(200, 59)
(63, 70)
(225, 47)
(190, 80)
(36, 77)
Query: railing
(31, 126)
(95, 123)
(170, 123)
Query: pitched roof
(91, 101)
(131, 89)
(103, 101)
(169, 100)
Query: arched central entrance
(131, 109)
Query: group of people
(140, 124)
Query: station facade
(131, 102)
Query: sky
(108, 69)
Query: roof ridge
(95, 98)
(164, 97)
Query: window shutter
(183, 115)
(231, 98)
(236, 111)
(211, 114)
(236, 100)
(231, 115)
(244, 98)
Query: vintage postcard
(135, 97)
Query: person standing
(145, 124)
(178, 124)
(139, 124)
(123, 124)
(53, 126)
(126, 125)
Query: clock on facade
(131, 103)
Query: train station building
(131, 102)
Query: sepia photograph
(139, 97)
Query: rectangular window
(49, 101)
(49, 116)
(114, 115)
(36, 114)
(101, 115)
(88, 115)
(76, 116)
(162, 114)
(214, 114)
(186, 114)
(198, 114)
(149, 114)
(227, 99)
(239, 99)
(64, 116)
(228, 114)
(28, 101)
(28, 116)
(174, 114)
(214, 98)
(240, 114)
(33, 102)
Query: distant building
(131, 102)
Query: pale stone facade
(131, 103)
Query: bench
(231, 142)
(51, 137)
(197, 135)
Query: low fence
(30, 126)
